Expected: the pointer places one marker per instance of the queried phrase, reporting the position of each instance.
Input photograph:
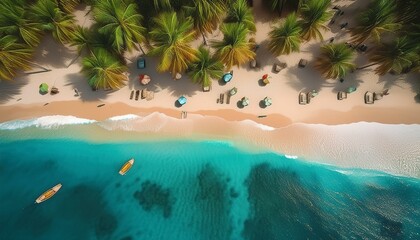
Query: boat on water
(127, 166)
(48, 194)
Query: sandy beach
(20, 98)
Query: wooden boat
(48, 194)
(127, 166)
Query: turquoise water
(194, 190)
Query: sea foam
(45, 122)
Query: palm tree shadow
(160, 81)
(306, 79)
(79, 82)
(348, 82)
(53, 54)
(265, 57)
(390, 80)
(11, 89)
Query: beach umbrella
(245, 101)
(227, 77)
(182, 100)
(267, 101)
(233, 91)
(43, 88)
(351, 89)
(265, 79)
(144, 79)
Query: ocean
(192, 189)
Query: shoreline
(91, 110)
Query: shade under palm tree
(314, 14)
(335, 60)
(170, 39)
(14, 56)
(285, 38)
(234, 49)
(121, 22)
(205, 68)
(103, 70)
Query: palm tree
(378, 18)
(205, 68)
(285, 38)
(170, 39)
(397, 56)
(67, 6)
(52, 19)
(335, 60)
(241, 13)
(314, 14)
(234, 49)
(121, 22)
(206, 14)
(103, 70)
(14, 21)
(278, 5)
(14, 56)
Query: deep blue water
(194, 190)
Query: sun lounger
(303, 98)
(341, 95)
(277, 67)
(227, 99)
(131, 94)
(222, 98)
(137, 95)
(302, 63)
(369, 98)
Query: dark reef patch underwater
(194, 190)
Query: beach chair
(206, 88)
(302, 63)
(137, 95)
(277, 67)
(131, 94)
(341, 95)
(369, 98)
(303, 98)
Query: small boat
(48, 194)
(127, 166)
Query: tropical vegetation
(170, 39)
(103, 70)
(285, 38)
(234, 49)
(314, 14)
(14, 56)
(241, 13)
(335, 60)
(205, 68)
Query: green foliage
(314, 14)
(285, 38)
(67, 6)
(121, 22)
(14, 56)
(103, 70)
(397, 56)
(206, 14)
(379, 17)
(279, 5)
(50, 18)
(205, 68)
(335, 60)
(239, 12)
(170, 40)
(234, 49)
(14, 21)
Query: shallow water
(194, 190)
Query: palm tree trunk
(74, 60)
(366, 66)
(141, 49)
(44, 69)
(204, 38)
